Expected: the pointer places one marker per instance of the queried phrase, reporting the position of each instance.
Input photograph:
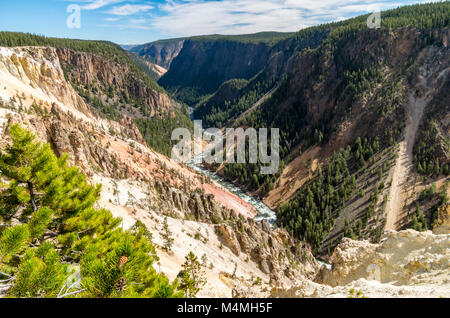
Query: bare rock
(443, 222)
(228, 238)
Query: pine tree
(53, 200)
(192, 276)
(40, 274)
(167, 236)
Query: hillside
(92, 205)
(115, 85)
(123, 178)
(207, 61)
(160, 52)
(155, 71)
(323, 87)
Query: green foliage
(199, 71)
(167, 236)
(355, 294)
(40, 273)
(110, 112)
(418, 222)
(54, 200)
(192, 276)
(248, 175)
(157, 131)
(311, 214)
(143, 64)
(261, 37)
(40, 221)
(37, 175)
(107, 50)
(331, 39)
(422, 220)
(217, 110)
(13, 240)
(431, 150)
(354, 80)
(122, 268)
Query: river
(264, 212)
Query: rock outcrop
(404, 264)
(442, 225)
(94, 72)
(36, 72)
(402, 258)
(160, 53)
(274, 251)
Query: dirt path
(404, 163)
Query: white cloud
(138, 21)
(129, 9)
(97, 4)
(112, 19)
(196, 17)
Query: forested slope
(114, 85)
(332, 83)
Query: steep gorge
(138, 183)
(323, 87)
(352, 104)
(202, 66)
(161, 53)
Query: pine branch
(32, 196)
(66, 293)
(72, 293)
(7, 280)
(82, 232)
(10, 278)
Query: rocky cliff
(138, 183)
(160, 53)
(202, 66)
(235, 250)
(401, 258)
(404, 264)
(113, 81)
(28, 72)
(323, 88)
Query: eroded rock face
(160, 53)
(110, 150)
(90, 70)
(404, 264)
(228, 238)
(131, 130)
(443, 222)
(200, 206)
(37, 94)
(36, 71)
(402, 258)
(273, 251)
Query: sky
(138, 22)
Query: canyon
(362, 185)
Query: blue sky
(136, 21)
